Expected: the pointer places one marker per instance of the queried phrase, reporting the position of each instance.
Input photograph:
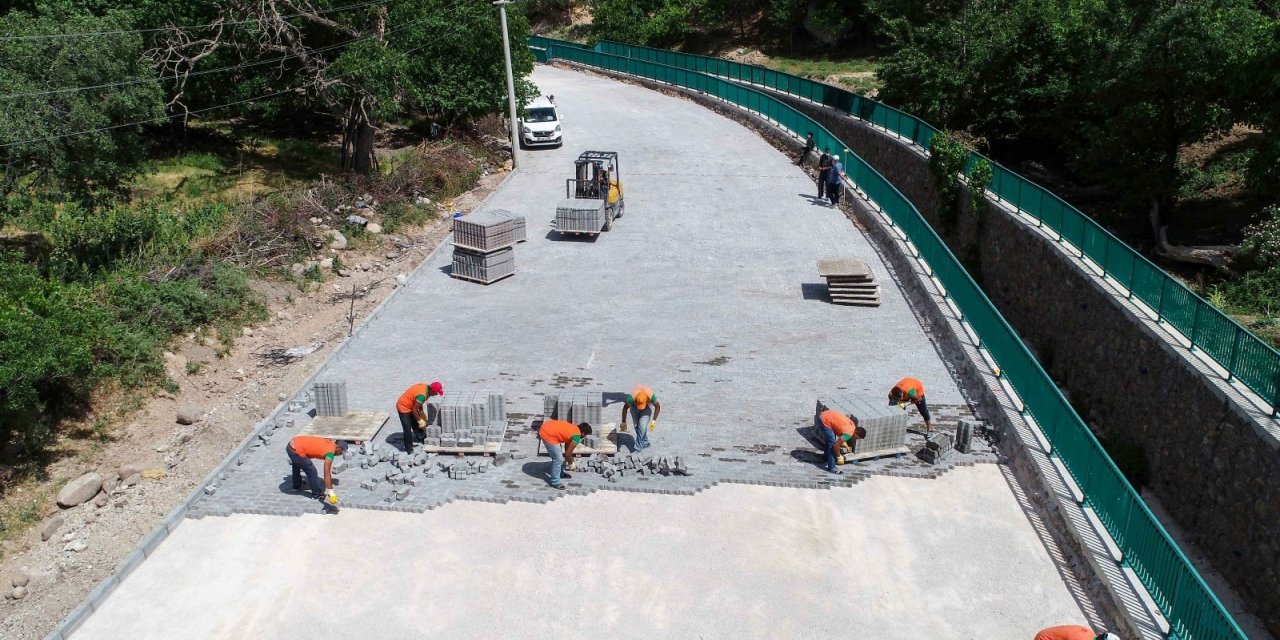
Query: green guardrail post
(1164, 284)
(1195, 326)
(1235, 354)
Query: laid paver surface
(891, 559)
(707, 290)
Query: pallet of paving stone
(520, 230)
(850, 281)
(575, 406)
(581, 215)
(488, 231)
(605, 437)
(886, 426)
(356, 426)
(331, 397)
(485, 268)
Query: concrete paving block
(153, 540)
(466, 442)
(401, 493)
(130, 562)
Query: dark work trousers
(303, 465)
(804, 154)
(409, 425)
(822, 182)
(923, 407)
(829, 439)
(833, 191)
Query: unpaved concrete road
(902, 558)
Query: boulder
(298, 269)
(80, 490)
(129, 469)
(326, 263)
(373, 228)
(132, 479)
(110, 479)
(247, 332)
(189, 415)
(336, 239)
(284, 315)
(76, 546)
(50, 527)
(21, 579)
(19, 593)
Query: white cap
(1108, 636)
(835, 157)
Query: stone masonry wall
(1210, 462)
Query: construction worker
(1074, 632)
(824, 168)
(302, 450)
(808, 146)
(911, 390)
(833, 180)
(561, 438)
(412, 411)
(645, 409)
(837, 429)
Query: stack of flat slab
(581, 215)
(575, 407)
(467, 422)
(331, 398)
(850, 281)
(886, 426)
(482, 245)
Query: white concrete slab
(901, 558)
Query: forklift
(594, 196)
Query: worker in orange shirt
(412, 411)
(302, 450)
(1074, 632)
(837, 428)
(645, 409)
(560, 438)
(911, 390)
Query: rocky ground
(152, 460)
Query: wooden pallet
(356, 426)
(486, 449)
(469, 279)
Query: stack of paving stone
(939, 447)
(964, 435)
(331, 398)
(614, 468)
(581, 215)
(575, 407)
(850, 281)
(468, 419)
(886, 427)
(482, 245)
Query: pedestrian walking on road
(834, 178)
(1074, 632)
(824, 169)
(911, 390)
(645, 409)
(808, 146)
(837, 429)
(302, 450)
(411, 407)
(561, 438)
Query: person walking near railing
(833, 180)
(808, 146)
(824, 168)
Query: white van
(540, 123)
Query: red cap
(436, 388)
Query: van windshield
(542, 114)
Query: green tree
(39, 149)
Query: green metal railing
(1244, 355)
(1193, 611)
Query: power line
(206, 109)
(128, 83)
(89, 34)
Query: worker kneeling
(302, 450)
(561, 438)
(837, 429)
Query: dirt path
(232, 392)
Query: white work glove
(653, 424)
(422, 424)
(331, 497)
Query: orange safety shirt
(913, 388)
(641, 397)
(1067, 632)
(558, 431)
(838, 422)
(313, 447)
(408, 400)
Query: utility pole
(511, 84)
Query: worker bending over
(645, 409)
(413, 413)
(911, 390)
(1074, 632)
(302, 450)
(561, 438)
(837, 428)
